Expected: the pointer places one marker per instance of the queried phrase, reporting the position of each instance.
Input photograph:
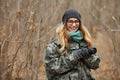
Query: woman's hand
(85, 52)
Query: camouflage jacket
(60, 67)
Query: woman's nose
(74, 24)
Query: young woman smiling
(70, 54)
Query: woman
(70, 55)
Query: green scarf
(76, 36)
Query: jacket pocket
(74, 76)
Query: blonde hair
(64, 38)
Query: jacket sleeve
(55, 62)
(93, 61)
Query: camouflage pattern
(61, 67)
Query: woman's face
(73, 24)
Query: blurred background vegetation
(26, 26)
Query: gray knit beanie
(71, 13)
